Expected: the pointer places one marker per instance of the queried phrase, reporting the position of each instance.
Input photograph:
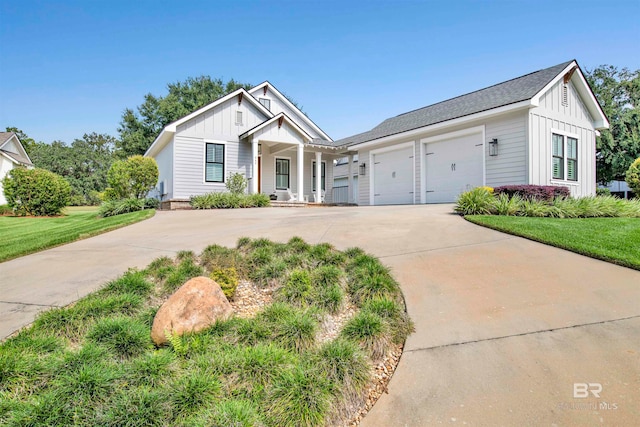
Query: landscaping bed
(315, 337)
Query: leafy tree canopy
(84, 163)
(27, 143)
(618, 92)
(138, 129)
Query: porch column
(350, 181)
(318, 177)
(301, 173)
(254, 168)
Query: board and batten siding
(573, 119)
(217, 125)
(164, 159)
(278, 107)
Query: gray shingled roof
(509, 92)
(17, 157)
(5, 136)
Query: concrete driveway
(504, 327)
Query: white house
(258, 133)
(12, 154)
(536, 129)
(539, 128)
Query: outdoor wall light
(363, 169)
(493, 147)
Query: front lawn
(610, 239)
(310, 325)
(25, 235)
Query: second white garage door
(393, 177)
(452, 166)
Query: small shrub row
(123, 206)
(229, 201)
(479, 202)
(533, 192)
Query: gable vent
(565, 96)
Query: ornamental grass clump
(474, 202)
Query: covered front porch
(288, 164)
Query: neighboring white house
(12, 154)
(258, 133)
(536, 129)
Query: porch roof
(280, 117)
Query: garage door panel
(393, 177)
(452, 167)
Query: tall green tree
(138, 129)
(27, 143)
(618, 92)
(84, 163)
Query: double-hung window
(322, 176)
(282, 174)
(214, 163)
(564, 157)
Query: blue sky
(71, 67)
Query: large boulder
(195, 306)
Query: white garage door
(452, 166)
(393, 177)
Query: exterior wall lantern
(493, 147)
(363, 169)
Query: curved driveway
(504, 327)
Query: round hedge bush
(36, 192)
(633, 176)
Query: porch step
(288, 204)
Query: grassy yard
(93, 363)
(22, 235)
(610, 239)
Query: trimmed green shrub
(5, 210)
(36, 192)
(474, 202)
(633, 177)
(236, 183)
(131, 178)
(227, 278)
(229, 201)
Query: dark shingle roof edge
(499, 95)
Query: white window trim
(564, 134)
(266, 99)
(204, 163)
(275, 180)
(326, 174)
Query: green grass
(25, 235)
(93, 362)
(610, 239)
